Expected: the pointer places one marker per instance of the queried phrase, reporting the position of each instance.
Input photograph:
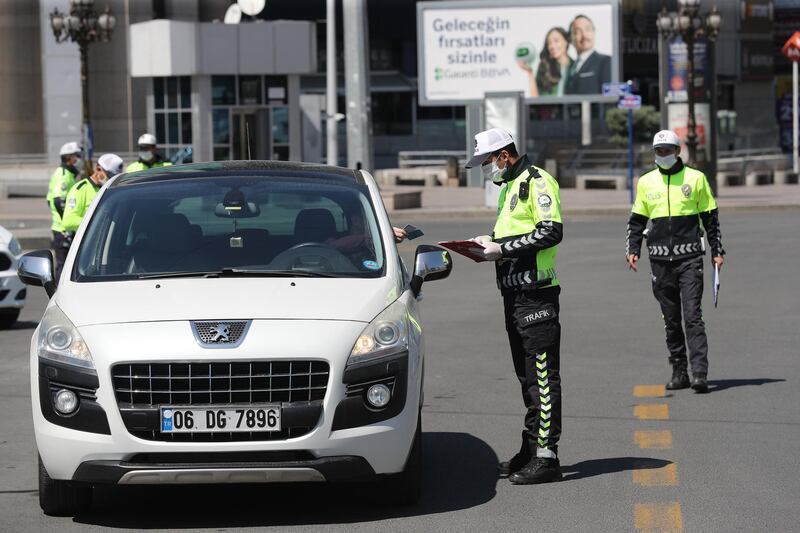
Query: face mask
(78, 164)
(494, 173)
(146, 156)
(667, 161)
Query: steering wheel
(312, 256)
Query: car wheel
(8, 318)
(61, 498)
(405, 487)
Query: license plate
(220, 419)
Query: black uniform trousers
(534, 333)
(678, 287)
(60, 249)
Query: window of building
(172, 103)
(392, 113)
(268, 93)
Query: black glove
(68, 236)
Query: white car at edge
(12, 290)
(230, 322)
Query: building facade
(173, 68)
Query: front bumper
(256, 467)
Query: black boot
(700, 382)
(680, 377)
(517, 462)
(538, 470)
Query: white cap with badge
(666, 138)
(487, 142)
(111, 164)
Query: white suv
(12, 291)
(227, 323)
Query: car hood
(358, 300)
(5, 236)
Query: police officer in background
(82, 193)
(61, 182)
(148, 155)
(677, 199)
(523, 245)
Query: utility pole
(356, 72)
(331, 96)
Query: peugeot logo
(220, 333)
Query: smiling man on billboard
(592, 69)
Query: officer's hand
(492, 251)
(632, 262)
(399, 235)
(717, 261)
(481, 239)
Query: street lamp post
(83, 25)
(689, 24)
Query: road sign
(616, 89)
(631, 101)
(791, 47)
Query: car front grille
(148, 386)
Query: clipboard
(470, 249)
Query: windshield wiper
(239, 272)
(190, 274)
(244, 272)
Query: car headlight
(386, 335)
(14, 247)
(59, 340)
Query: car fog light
(379, 395)
(66, 402)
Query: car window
(210, 224)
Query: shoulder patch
(81, 184)
(544, 200)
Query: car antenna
(247, 134)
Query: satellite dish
(252, 7)
(233, 15)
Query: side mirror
(36, 268)
(431, 263)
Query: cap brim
(477, 160)
(665, 145)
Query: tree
(646, 122)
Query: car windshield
(232, 226)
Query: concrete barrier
(24, 179)
(590, 181)
(421, 176)
(395, 199)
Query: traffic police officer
(61, 182)
(82, 193)
(523, 244)
(148, 155)
(676, 199)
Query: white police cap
(111, 164)
(70, 148)
(147, 139)
(666, 138)
(487, 142)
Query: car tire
(405, 488)
(61, 498)
(8, 318)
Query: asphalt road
(725, 461)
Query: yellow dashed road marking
(653, 439)
(656, 411)
(658, 517)
(665, 476)
(649, 391)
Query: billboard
(551, 51)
